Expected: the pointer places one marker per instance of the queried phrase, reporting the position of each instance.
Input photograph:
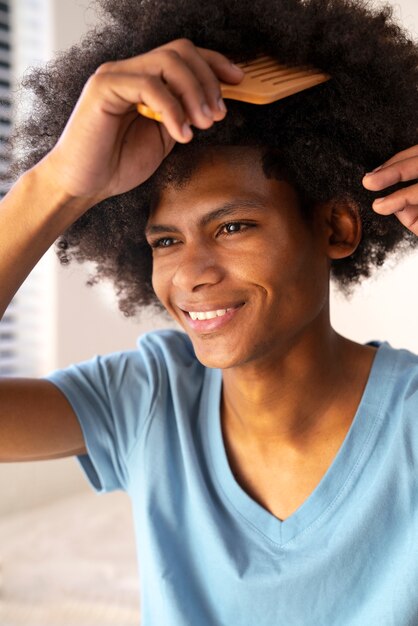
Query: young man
(271, 463)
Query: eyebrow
(226, 210)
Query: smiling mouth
(210, 321)
(208, 315)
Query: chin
(213, 363)
(217, 359)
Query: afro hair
(323, 139)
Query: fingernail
(221, 105)
(206, 111)
(186, 131)
(235, 67)
(374, 171)
(379, 200)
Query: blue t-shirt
(209, 554)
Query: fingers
(215, 68)
(403, 203)
(398, 169)
(176, 77)
(209, 67)
(409, 218)
(397, 201)
(116, 93)
(179, 81)
(186, 83)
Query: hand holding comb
(265, 80)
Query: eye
(232, 228)
(164, 242)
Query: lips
(216, 316)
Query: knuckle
(403, 175)
(391, 178)
(411, 197)
(146, 80)
(94, 81)
(412, 222)
(171, 55)
(185, 43)
(105, 67)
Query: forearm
(32, 215)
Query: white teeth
(207, 315)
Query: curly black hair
(321, 140)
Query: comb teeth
(265, 80)
(275, 76)
(269, 68)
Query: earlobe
(343, 228)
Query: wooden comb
(265, 80)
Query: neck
(294, 393)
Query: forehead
(227, 173)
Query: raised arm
(36, 421)
(106, 149)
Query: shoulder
(396, 379)
(158, 356)
(394, 400)
(400, 361)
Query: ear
(341, 228)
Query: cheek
(160, 280)
(295, 273)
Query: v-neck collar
(337, 480)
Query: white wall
(383, 308)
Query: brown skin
(291, 384)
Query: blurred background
(55, 320)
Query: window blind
(26, 328)
(5, 86)
(7, 326)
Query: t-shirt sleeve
(113, 398)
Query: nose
(197, 267)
